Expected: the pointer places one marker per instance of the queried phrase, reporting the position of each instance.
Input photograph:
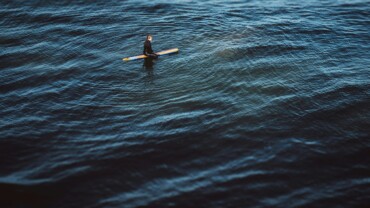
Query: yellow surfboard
(169, 51)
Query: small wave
(24, 195)
(233, 54)
(316, 31)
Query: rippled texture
(266, 105)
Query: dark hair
(148, 35)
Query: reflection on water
(148, 65)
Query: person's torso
(147, 47)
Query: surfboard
(169, 51)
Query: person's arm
(149, 48)
(145, 51)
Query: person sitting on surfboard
(148, 51)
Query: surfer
(148, 51)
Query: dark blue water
(265, 105)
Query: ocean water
(265, 105)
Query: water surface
(266, 105)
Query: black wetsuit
(148, 51)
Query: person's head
(149, 37)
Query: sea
(266, 104)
